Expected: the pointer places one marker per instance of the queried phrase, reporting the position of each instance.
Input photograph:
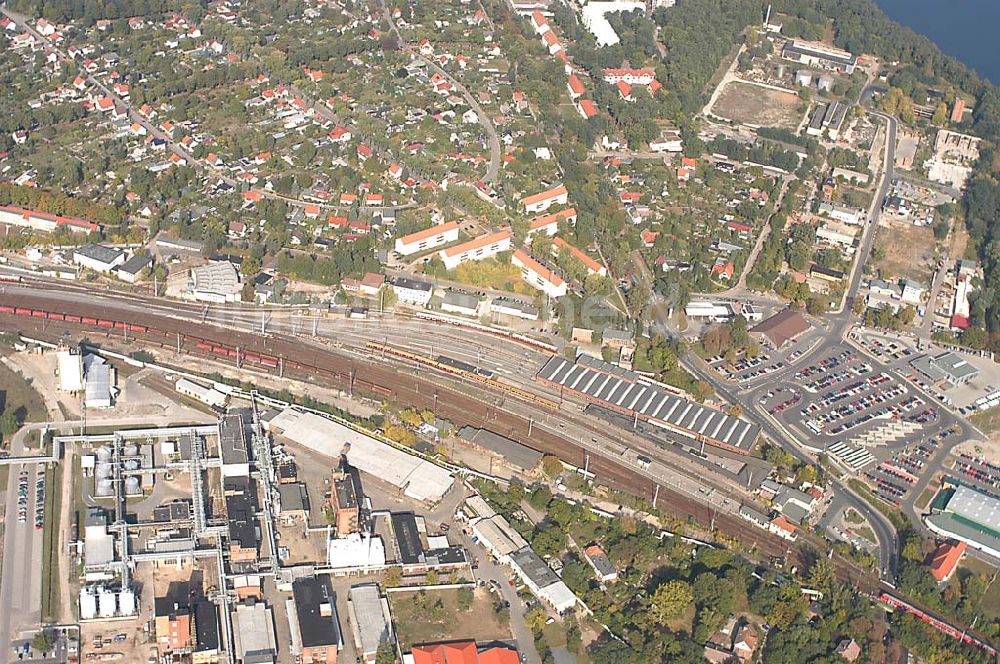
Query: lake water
(966, 29)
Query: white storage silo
(126, 603)
(130, 450)
(132, 486)
(107, 603)
(88, 604)
(103, 470)
(104, 489)
(104, 454)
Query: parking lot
(842, 395)
(893, 478)
(978, 472)
(748, 372)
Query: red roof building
(945, 559)
(463, 652)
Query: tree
(393, 577)
(669, 600)
(551, 465)
(42, 641)
(386, 654)
(8, 423)
(535, 620)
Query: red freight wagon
(6, 310)
(73, 319)
(38, 314)
(105, 323)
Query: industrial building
(631, 394)
(313, 622)
(817, 54)
(964, 514)
(356, 551)
(593, 16)
(510, 451)
(461, 303)
(98, 257)
(346, 498)
(217, 283)
(369, 618)
(253, 633)
(415, 478)
(542, 581)
(99, 379)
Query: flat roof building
(512, 452)
(948, 366)
(313, 621)
(253, 634)
(416, 478)
(98, 257)
(819, 54)
(206, 634)
(369, 620)
(542, 581)
(968, 516)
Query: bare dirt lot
(908, 251)
(751, 104)
(434, 617)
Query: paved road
(20, 584)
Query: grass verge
(50, 544)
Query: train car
(37, 313)
(6, 310)
(233, 352)
(57, 316)
(88, 321)
(11, 278)
(137, 328)
(201, 345)
(70, 318)
(119, 325)
(268, 361)
(105, 323)
(251, 357)
(220, 350)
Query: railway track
(41, 317)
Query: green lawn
(986, 420)
(851, 516)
